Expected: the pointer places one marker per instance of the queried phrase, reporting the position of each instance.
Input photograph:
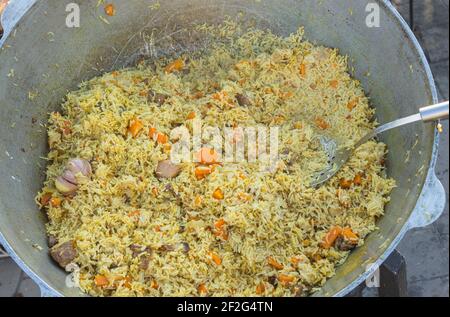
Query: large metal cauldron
(41, 58)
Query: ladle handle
(434, 112)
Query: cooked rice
(284, 218)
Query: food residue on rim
(110, 10)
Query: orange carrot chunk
(302, 70)
(334, 84)
(272, 262)
(135, 127)
(219, 223)
(191, 115)
(101, 281)
(176, 65)
(345, 183)
(321, 123)
(349, 234)
(151, 132)
(162, 138)
(285, 279)
(55, 201)
(357, 180)
(331, 236)
(202, 289)
(218, 194)
(110, 10)
(202, 171)
(207, 156)
(216, 259)
(260, 288)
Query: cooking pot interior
(43, 58)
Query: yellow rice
(284, 216)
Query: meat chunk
(273, 280)
(52, 241)
(64, 253)
(144, 253)
(344, 244)
(166, 169)
(243, 100)
(166, 248)
(185, 247)
(156, 97)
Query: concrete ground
(426, 250)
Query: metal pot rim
(18, 8)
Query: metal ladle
(338, 157)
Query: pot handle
(430, 205)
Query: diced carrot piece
(218, 194)
(55, 201)
(216, 259)
(219, 223)
(151, 132)
(162, 138)
(191, 115)
(143, 93)
(302, 69)
(260, 288)
(202, 171)
(272, 262)
(295, 261)
(207, 156)
(176, 65)
(349, 234)
(101, 281)
(352, 104)
(155, 191)
(331, 236)
(110, 10)
(134, 213)
(115, 73)
(198, 95)
(45, 199)
(321, 123)
(202, 289)
(358, 179)
(334, 84)
(154, 284)
(286, 279)
(135, 126)
(345, 183)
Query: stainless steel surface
(48, 59)
(435, 112)
(337, 157)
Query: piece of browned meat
(343, 244)
(243, 100)
(64, 253)
(52, 241)
(156, 97)
(143, 253)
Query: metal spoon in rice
(338, 157)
